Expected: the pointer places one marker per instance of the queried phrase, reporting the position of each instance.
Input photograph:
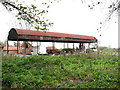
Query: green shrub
(59, 71)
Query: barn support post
(64, 44)
(67, 47)
(98, 51)
(53, 45)
(37, 47)
(73, 47)
(64, 50)
(7, 46)
(80, 46)
(88, 47)
(84, 47)
(17, 45)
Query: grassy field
(70, 71)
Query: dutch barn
(42, 36)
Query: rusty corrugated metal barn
(42, 36)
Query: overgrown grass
(75, 71)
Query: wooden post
(80, 46)
(37, 47)
(67, 45)
(98, 48)
(88, 45)
(7, 46)
(17, 45)
(24, 46)
(73, 47)
(64, 45)
(67, 48)
(64, 48)
(84, 47)
(64, 54)
(0, 53)
(53, 45)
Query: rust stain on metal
(32, 35)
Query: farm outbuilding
(42, 36)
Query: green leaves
(110, 6)
(33, 6)
(31, 14)
(58, 71)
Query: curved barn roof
(32, 35)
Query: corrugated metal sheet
(53, 34)
(32, 35)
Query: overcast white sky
(70, 16)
